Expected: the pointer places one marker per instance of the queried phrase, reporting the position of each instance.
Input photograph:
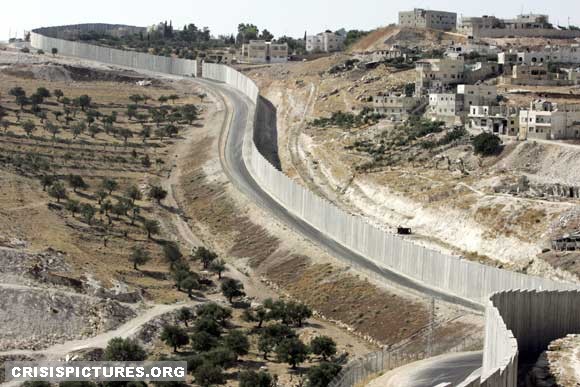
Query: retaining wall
(521, 33)
(133, 59)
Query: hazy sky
(290, 17)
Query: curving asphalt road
(445, 370)
(238, 106)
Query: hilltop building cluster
(459, 95)
(525, 25)
(463, 92)
(460, 87)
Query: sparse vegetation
(139, 256)
(232, 288)
(347, 120)
(486, 144)
(119, 349)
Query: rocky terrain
(48, 317)
(559, 366)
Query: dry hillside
(385, 37)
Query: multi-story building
(260, 51)
(531, 25)
(255, 51)
(453, 107)
(478, 95)
(549, 54)
(423, 18)
(446, 107)
(525, 74)
(277, 52)
(438, 74)
(395, 106)
(550, 121)
(325, 42)
(499, 119)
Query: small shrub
(486, 144)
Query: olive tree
(139, 256)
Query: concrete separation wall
(40, 39)
(451, 274)
(523, 313)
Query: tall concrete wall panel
(132, 59)
(523, 323)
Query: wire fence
(363, 368)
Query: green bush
(322, 375)
(251, 378)
(486, 144)
(453, 135)
(119, 349)
(323, 346)
(208, 375)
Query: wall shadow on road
(266, 139)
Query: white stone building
(260, 51)
(395, 106)
(446, 107)
(501, 120)
(477, 95)
(438, 74)
(550, 121)
(482, 48)
(453, 107)
(325, 42)
(526, 25)
(549, 54)
(423, 18)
